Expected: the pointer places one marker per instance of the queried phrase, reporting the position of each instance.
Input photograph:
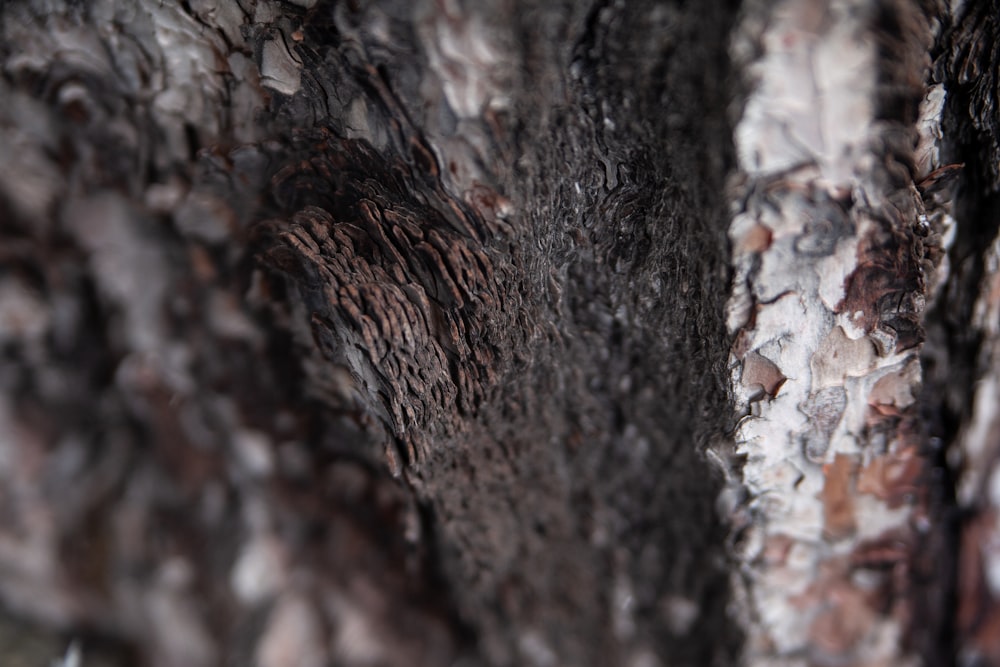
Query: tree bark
(442, 333)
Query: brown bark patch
(893, 477)
(761, 375)
(978, 613)
(838, 503)
(884, 294)
(398, 280)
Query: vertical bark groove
(961, 359)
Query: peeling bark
(837, 247)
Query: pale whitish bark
(835, 252)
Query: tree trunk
(442, 333)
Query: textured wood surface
(962, 364)
(404, 333)
(835, 250)
(366, 333)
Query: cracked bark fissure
(395, 333)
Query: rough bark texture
(382, 334)
(395, 333)
(963, 364)
(837, 245)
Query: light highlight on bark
(833, 248)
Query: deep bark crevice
(953, 358)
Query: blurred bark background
(395, 333)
